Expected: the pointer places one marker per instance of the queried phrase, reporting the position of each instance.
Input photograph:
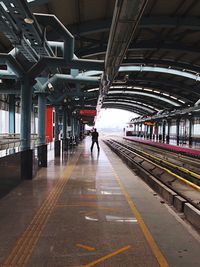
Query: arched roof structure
(159, 63)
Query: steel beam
(185, 74)
(36, 3)
(142, 107)
(150, 45)
(148, 94)
(97, 26)
(126, 17)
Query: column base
(177, 140)
(190, 141)
(57, 148)
(42, 155)
(65, 144)
(27, 171)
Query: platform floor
(91, 210)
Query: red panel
(88, 112)
(49, 124)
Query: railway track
(187, 162)
(176, 179)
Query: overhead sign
(150, 123)
(88, 112)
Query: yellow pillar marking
(85, 247)
(114, 253)
(154, 247)
(24, 246)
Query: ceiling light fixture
(29, 20)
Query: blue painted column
(26, 107)
(56, 133)
(64, 121)
(11, 114)
(190, 131)
(76, 132)
(41, 119)
(64, 137)
(168, 131)
(56, 129)
(163, 131)
(42, 146)
(27, 169)
(177, 131)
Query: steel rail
(127, 153)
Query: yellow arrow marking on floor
(114, 253)
(85, 247)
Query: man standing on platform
(95, 136)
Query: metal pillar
(26, 106)
(163, 131)
(11, 114)
(168, 132)
(41, 119)
(151, 132)
(190, 131)
(56, 133)
(27, 170)
(64, 128)
(177, 131)
(147, 131)
(42, 146)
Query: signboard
(49, 124)
(150, 123)
(88, 112)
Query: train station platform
(178, 149)
(90, 209)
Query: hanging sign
(150, 123)
(88, 112)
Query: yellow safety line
(106, 257)
(173, 174)
(197, 176)
(85, 247)
(24, 246)
(170, 172)
(154, 247)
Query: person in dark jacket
(95, 136)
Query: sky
(113, 118)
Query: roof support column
(11, 114)
(26, 107)
(64, 127)
(41, 119)
(42, 146)
(168, 131)
(177, 131)
(163, 131)
(76, 130)
(27, 170)
(82, 129)
(56, 133)
(190, 130)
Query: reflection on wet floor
(85, 220)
